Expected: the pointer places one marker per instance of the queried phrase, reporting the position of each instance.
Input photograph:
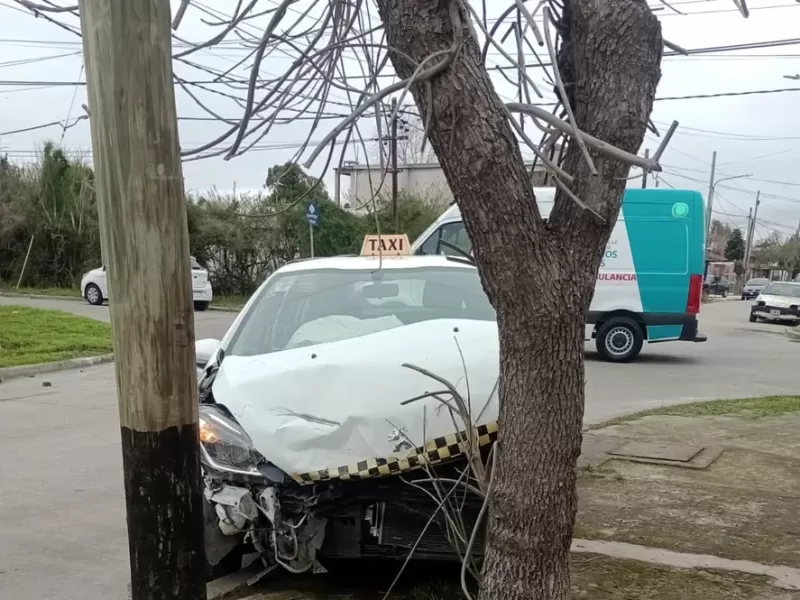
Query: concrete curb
(64, 365)
(229, 309)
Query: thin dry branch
(323, 47)
(599, 145)
(47, 8)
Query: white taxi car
(94, 286)
(333, 374)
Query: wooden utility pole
(711, 183)
(751, 228)
(394, 163)
(144, 237)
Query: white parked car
(779, 301)
(94, 286)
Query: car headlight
(225, 445)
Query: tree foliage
(775, 251)
(240, 237)
(734, 249)
(49, 205)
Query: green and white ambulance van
(651, 280)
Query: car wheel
(724, 293)
(93, 294)
(753, 318)
(619, 339)
(743, 298)
(201, 306)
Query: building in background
(420, 179)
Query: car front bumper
(776, 313)
(746, 294)
(203, 294)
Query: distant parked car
(779, 301)
(754, 287)
(94, 286)
(716, 285)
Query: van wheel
(201, 306)
(619, 339)
(93, 295)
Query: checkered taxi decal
(432, 453)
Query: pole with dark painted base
(145, 244)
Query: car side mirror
(204, 351)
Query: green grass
(50, 291)
(30, 336)
(233, 301)
(750, 408)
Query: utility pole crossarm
(145, 244)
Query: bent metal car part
(320, 439)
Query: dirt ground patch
(743, 506)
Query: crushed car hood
(779, 301)
(332, 405)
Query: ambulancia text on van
(651, 279)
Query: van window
(454, 233)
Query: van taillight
(695, 294)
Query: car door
(102, 281)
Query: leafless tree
(600, 59)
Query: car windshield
(327, 305)
(758, 282)
(782, 289)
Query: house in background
(420, 179)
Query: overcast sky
(756, 135)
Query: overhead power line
(238, 81)
(729, 94)
(728, 134)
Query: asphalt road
(62, 512)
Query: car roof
(361, 263)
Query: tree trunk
(539, 274)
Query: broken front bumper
(776, 313)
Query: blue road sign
(312, 214)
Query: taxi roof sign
(392, 244)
